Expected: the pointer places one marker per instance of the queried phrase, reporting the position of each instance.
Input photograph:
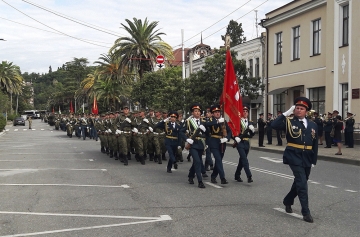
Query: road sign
(160, 59)
(160, 65)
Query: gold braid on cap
(291, 131)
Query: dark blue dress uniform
(243, 148)
(197, 148)
(320, 125)
(172, 139)
(349, 130)
(269, 129)
(328, 126)
(300, 153)
(216, 147)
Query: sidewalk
(349, 155)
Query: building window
(345, 99)
(296, 43)
(257, 67)
(250, 68)
(316, 37)
(279, 103)
(317, 98)
(345, 26)
(279, 48)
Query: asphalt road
(52, 185)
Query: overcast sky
(35, 50)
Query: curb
(320, 157)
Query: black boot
(107, 151)
(137, 157)
(188, 157)
(142, 159)
(145, 156)
(159, 159)
(102, 150)
(125, 160)
(156, 158)
(151, 156)
(128, 156)
(163, 156)
(116, 155)
(201, 185)
(111, 154)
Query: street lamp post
(2, 39)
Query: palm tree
(140, 49)
(11, 80)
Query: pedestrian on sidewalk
(300, 153)
(269, 128)
(337, 133)
(349, 130)
(261, 129)
(29, 121)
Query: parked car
(19, 121)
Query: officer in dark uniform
(217, 141)
(320, 125)
(243, 145)
(279, 133)
(196, 130)
(269, 128)
(172, 141)
(300, 153)
(261, 128)
(349, 130)
(208, 159)
(328, 126)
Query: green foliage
(2, 122)
(4, 102)
(11, 117)
(236, 33)
(163, 88)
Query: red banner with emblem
(95, 109)
(231, 100)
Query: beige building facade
(313, 50)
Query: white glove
(221, 120)
(290, 111)
(118, 131)
(190, 141)
(146, 120)
(202, 128)
(179, 147)
(167, 119)
(251, 127)
(128, 120)
(223, 140)
(238, 139)
(182, 120)
(312, 165)
(135, 130)
(109, 130)
(151, 129)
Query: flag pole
(223, 127)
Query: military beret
(125, 106)
(135, 111)
(164, 111)
(246, 107)
(195, 106)
(142, 110)
(215, 108)
(151, 109)
(303, 101)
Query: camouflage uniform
(140, 137)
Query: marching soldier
(70, 125)
(140, 136)
(29, 121)
(269, 128)
(84, 125)
(194, 126)
(180, 120)
(127, 123)
(100, 129)
(209, 164)
(150, 146)
(216, 141)
(261, 128)
(162, 136)
(243, 145)
(172, 141)
(157, 134)
(300, 153)
(349, 130)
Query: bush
(2, 122)
(11, 117)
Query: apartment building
(313, 50)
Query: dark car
(19, 121)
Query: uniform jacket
(189, 129)
(215, 132)
(319, 123)
(349, 125)
(170, 132)
(261, 125)
(328, 125)
(297, 156)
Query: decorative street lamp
(3, 39)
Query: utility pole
(256, 24)
(182, 54)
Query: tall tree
(236, 33)
(139, 50)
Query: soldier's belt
(170, 137)
(199, 138)
(216, 136)
(157, 133)
(245, 139)
(299, 146)
(126, 132)
(142, 133)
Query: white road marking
(57, 169)
(15, 130)
(103, 169)
(145, 220)
(330, 186)
(33, 129)
(91, 160)
(51, 153)
(71, 185)
(24, 129)
(291, 214)
(351, 191)
(275, 160)
(42, 129)
(214, 185)
(313, 182)
(7, 130)
(38, 160)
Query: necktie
(302, 124)
(173, 124)
(197, 122)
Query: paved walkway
(349, 155)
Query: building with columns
(313, 50)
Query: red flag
(231, 98)
(95, 109)
(71, 107)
